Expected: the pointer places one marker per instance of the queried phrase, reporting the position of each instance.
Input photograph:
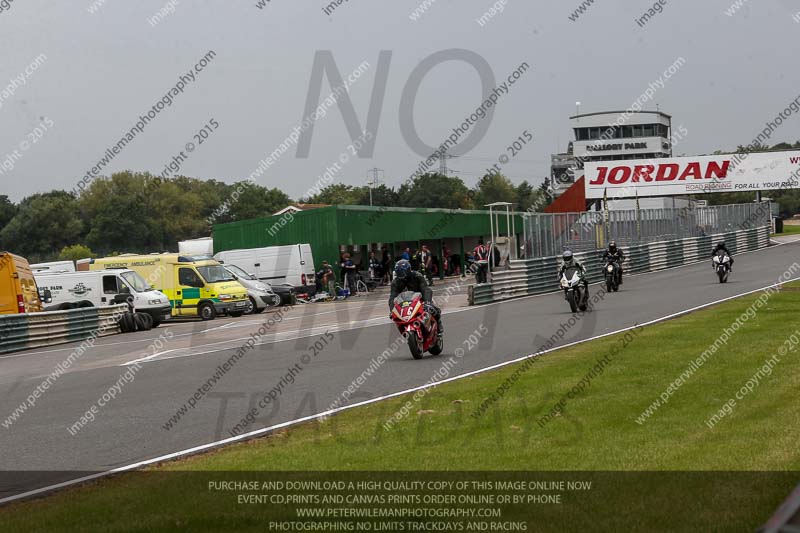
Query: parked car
(259, 293)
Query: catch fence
(549, 234)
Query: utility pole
(373, 181)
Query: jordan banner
(693, 175)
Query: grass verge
(599, 434)
(790, 229)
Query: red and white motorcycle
(418, 325)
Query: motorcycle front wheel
(572, 298)
(415, 346)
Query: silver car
(259, 292)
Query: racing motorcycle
(611, 273)
(722, 265)
(419, 326)
(572, 285)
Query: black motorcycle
(611, 272)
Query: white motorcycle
(722, 266)
(572, 284)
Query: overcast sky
(105, 69)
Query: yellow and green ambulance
(197, 286)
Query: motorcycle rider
(568, 260)
(407, 279)
(615, 254)
(721, 246)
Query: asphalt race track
(130, 427)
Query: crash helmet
(402, 268)
(567, 257)
(721, 244)
(612, 246)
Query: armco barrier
(31, 330)
(537, 276)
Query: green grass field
(596, 432)
(791, 229)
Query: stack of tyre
(131, 322)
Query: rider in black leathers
(407, 279)
(721, 246)
(615, 254)
(568, 259)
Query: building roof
(294, 208)
(620, 113)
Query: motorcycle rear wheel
(415, 346)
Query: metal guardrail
(31, 330)
(536, 276)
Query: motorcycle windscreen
(571, 273)
(406, 296)
(408, 303)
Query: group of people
(423, 261)
(379, 269)
(326, 277)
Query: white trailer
(54, 266)
(202, 246)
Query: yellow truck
(18, 290)
(197, 286)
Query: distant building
(359, 229)
(610, 136)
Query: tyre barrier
(525, 277)
(32, 330)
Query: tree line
(141, 213)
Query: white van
(97, 288)
(278, 265)
(54, 266)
